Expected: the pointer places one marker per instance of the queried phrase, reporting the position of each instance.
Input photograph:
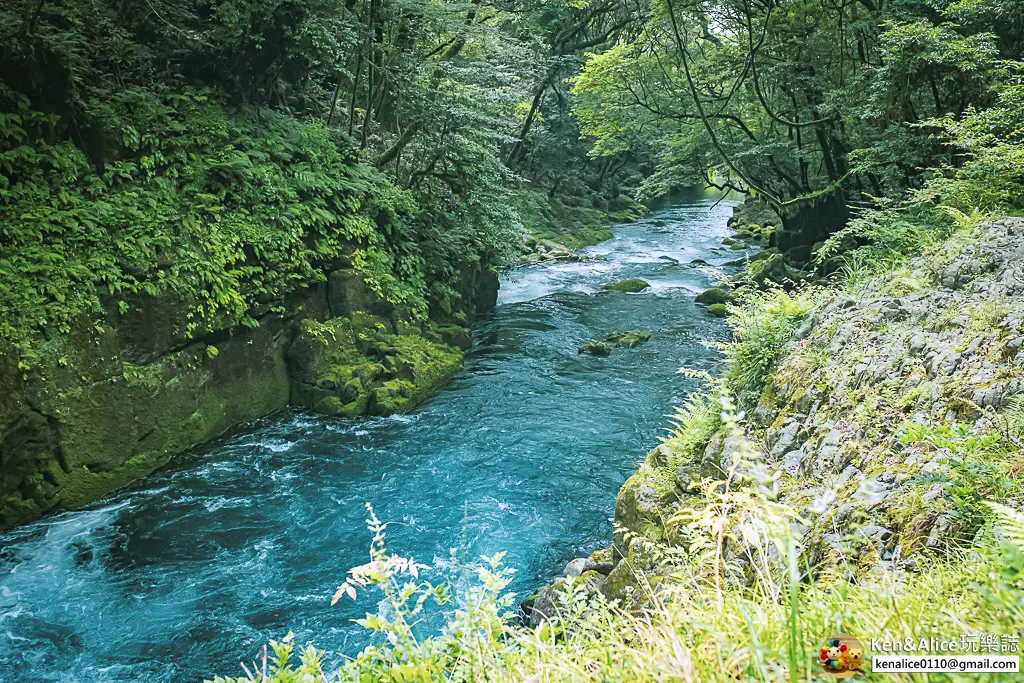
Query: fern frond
(1011, 524)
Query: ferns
(205, 205)
(1011, 524)
(761, 327)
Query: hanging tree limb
(449, 53)
(752, 59)
(768, 196)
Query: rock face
(101, 408)
(357, 366)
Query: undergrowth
(762, 323)
(222, 208)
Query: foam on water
(184, 574)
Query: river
(183, 574)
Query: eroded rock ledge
(107, 404)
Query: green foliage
(220, 208)
(693, 424)
(277, 666)
(385, 131)
(792, 102)
(973, 468)
(992, 140)
(761, 325)
(987, 179)
(697, 623)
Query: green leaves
(211, 208)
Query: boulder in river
(718, 310)
(631, 285)
(715, 295)
(628, 339)
(615, 339)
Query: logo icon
(842, 655)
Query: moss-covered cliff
(112, 400)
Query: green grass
(762, 324)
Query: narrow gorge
(523, 451)
(518, 341)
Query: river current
(186, 572)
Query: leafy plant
(761, 325)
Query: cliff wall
(111, 401)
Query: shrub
(694, 625)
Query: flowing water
(181, 575)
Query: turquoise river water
(185, 573)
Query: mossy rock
(749, 232)
(393, 396)
(456, 336)
(595, 348)
(764, 254)
(715, 295)
(351, 367)
(632, 286)
(98, 422)
(638, 505)
(619, 583)
(718, 310)
(628, 339)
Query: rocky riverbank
(879, 421)
(111, 401)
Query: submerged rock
(631, 285)
(616, 339)
(628, 339)
(718, 310)
(595, 348)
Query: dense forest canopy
(225, 149)
(805, 103)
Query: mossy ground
(572, 225)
